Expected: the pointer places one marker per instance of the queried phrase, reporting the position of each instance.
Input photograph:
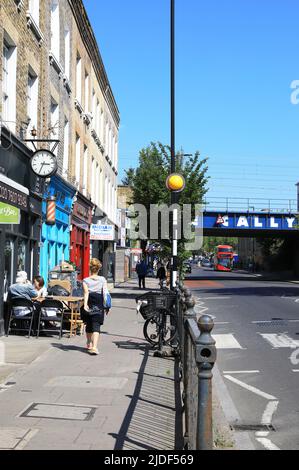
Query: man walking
(141, 269)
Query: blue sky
(235, 62)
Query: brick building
(53, 85)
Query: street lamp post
(174, 195)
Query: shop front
(103, 245)
(80, 235)
(20, 217)
(55, 246)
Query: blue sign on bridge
(250, 221)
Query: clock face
(43, 163)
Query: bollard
(205, 359)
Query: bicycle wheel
(153, 327)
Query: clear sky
(235, 62)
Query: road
(257, 338)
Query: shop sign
(12, 196)
(82, 212)
(9, 214)
(102, 232)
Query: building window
(67, 53)
(85, 170)
(21, 260)
(32, 98)
(55, 29)
(34, 10)
(97, 185)
(93, 179)
(78, 157)
(54, 120)
(102, 126)
(66, 142)
(79, 79)
(94, 109)
(9, 75)
(98, 119)
(86, 92)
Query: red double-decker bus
(223, 258)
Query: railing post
(186, 350)
(205, 359)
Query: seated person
(39, 285)
(22, 289)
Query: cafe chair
(21, 312)
(50, 311)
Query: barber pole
(51, 210)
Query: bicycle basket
(159, 300)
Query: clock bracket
(49, 141)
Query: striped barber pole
(51, 210)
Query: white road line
(262, 433)
(293, 321)
(221, 322)
(216, 298)
(280, 340)
(295, 370)
(250, 388)
(268, 413)
(267, 443)
(226, 341)
(241, 372)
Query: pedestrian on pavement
(141, 269)
(94, 288)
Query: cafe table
(72, 305)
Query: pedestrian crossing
(275, 340)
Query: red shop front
(80, 235)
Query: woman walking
(94, 288)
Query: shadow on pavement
(154, 418)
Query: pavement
(55, 396)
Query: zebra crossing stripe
(280, 340)
(226, 341)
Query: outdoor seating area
(34, 310)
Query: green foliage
(149, 178)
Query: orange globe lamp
(175, 183)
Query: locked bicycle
(160, 327)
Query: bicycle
(160, 327)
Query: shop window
(8, 265)
(21, 259)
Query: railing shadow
(153, 419)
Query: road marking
(262, 433)
(267, 443)
(241, 372)
(250, 388)
(226, 341)
(295, 370)
(293, 321)
(280, 340)
(216, 298)
(268, 413)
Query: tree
(127, 180)
(149, 178)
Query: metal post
(205, 359)
(174, 195)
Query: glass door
(8, 265)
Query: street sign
(9, 214)
(102, 232)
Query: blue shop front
(55, 246)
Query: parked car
(206, 263)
